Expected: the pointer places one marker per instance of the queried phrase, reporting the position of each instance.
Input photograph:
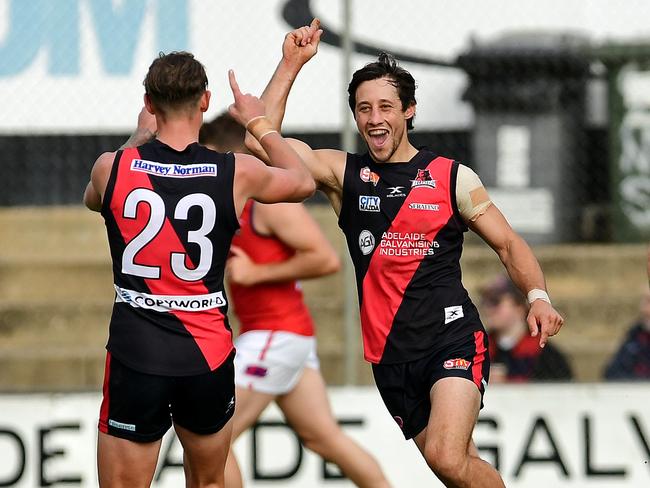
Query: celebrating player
(403, 212)
(171, 208)
(276, 349)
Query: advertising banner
(564, 436)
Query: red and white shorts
(273, 361)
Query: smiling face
(380, 119)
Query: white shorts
(272, 361)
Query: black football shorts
(141, 407)
(405, 387)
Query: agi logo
(366, 242)
(368, 203)
(368, 176)
(423, 178)
(456, 364)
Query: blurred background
(548, 101)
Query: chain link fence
(548, 101)
(550, 98)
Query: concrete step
(54, 232)
(573, 270)
(54, 323)
(70, 280)
(51, 368)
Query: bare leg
(446, 441)
(204, 456)
(124, 463)
(307, 410)
(248, 407)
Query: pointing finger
(315, 24)
(233, 84)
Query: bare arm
(522, 266)
(144, 132)
(326, 166)
(291, 224)
(98, 179)
(298, 48)
(287, 180)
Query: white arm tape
(537, 294)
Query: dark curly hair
(385, 67)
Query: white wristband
(537, 294)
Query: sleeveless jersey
(267, 306)
(405, 237)
(170, 218)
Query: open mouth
(378, 137)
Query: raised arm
(287, 179)
(327, 165)
(291, 224)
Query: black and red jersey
(170, 219)
(405, 237)
(268, 306)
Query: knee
(315, 444)
(446, 463)
(320, 443)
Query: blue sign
(55, 26)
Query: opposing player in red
(404, 212)
(171, 207)
(276, 350)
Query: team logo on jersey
(423, 178)
(453, 313)
(368, 176)
(456, 364)
(174, 170)
(432, 207)
(368, 203)
(396, 192)
(366, 242)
